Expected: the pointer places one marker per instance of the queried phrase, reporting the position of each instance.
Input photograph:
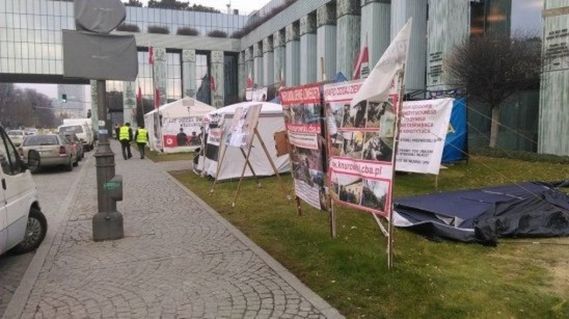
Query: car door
(4, 164)
(19, 192)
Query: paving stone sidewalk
(178, 260)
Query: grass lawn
(164, 157)
(518, 279)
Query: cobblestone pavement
(178, 260)
(53, 186)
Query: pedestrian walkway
(179, 259)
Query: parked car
(82, 131)
(31, 131)
(17, 136)
(77, 145)
(49, 150)
(22, 224)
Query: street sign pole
(108, 222)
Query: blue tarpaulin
(455, 144)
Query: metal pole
(108, 222)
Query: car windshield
(15, 133)
(71, 138)
(70, 129)
(41, 140)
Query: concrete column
(189, 84)
(376, 26)
(242, 75)
(249, 64)
(129, 102)
(268, 61)
(94, 107)
(292, 55)
(444, 15)
(401, 11)
(308, 60)
(326, 42)
(161, 74)
(348, 40)
(279, 50)
(218, 91)
(258, 63)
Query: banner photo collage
(302, 110)
(361, 147)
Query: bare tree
(133, 3)
(493, 68)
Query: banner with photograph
(424, 126)
(242, 128)
(213, 143)
(362, 124)
(179, 132)
(256, 95)
(360, 145)
(302, 109)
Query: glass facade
(30, 41)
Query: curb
(324, 307)
(47, 249)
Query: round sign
(101, 16)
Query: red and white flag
(157, 98)
(150, 55)
(212, 84)
(361, 69)
(250, 82)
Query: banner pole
(399, 104)
(220, 161)
(243, 171)
(204, 144)
(272, 163)
(332, 218)
(250, 167)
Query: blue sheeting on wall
(455, 144)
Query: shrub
(217, 34)
(128, 27)
(188, 31)
(158, 29)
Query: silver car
(49, 150)
(16, 136)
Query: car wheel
(76, 163)
(35, 232)
(34, 161)
(69, 166)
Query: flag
(157, 98)
(361, 69)
(150, 55)
(139, 96)
(212, 85)
(382, 78)
(250, 80)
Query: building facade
(305, 42)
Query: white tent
(271, 120)
(164, 125)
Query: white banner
(424, 126)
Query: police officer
(125, 137)
(141, 138)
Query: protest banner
(182, 133)
(363, 148)
(423, 128)
(256, 95)
(303, 113)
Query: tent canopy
(271, 120)
(183, 108)
(483, 215)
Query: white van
(82, 131)
(22, 224)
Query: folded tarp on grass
(533, 209)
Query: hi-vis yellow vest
(142, 136)
(123, 134)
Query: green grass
(517, 279)
(164, 157)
